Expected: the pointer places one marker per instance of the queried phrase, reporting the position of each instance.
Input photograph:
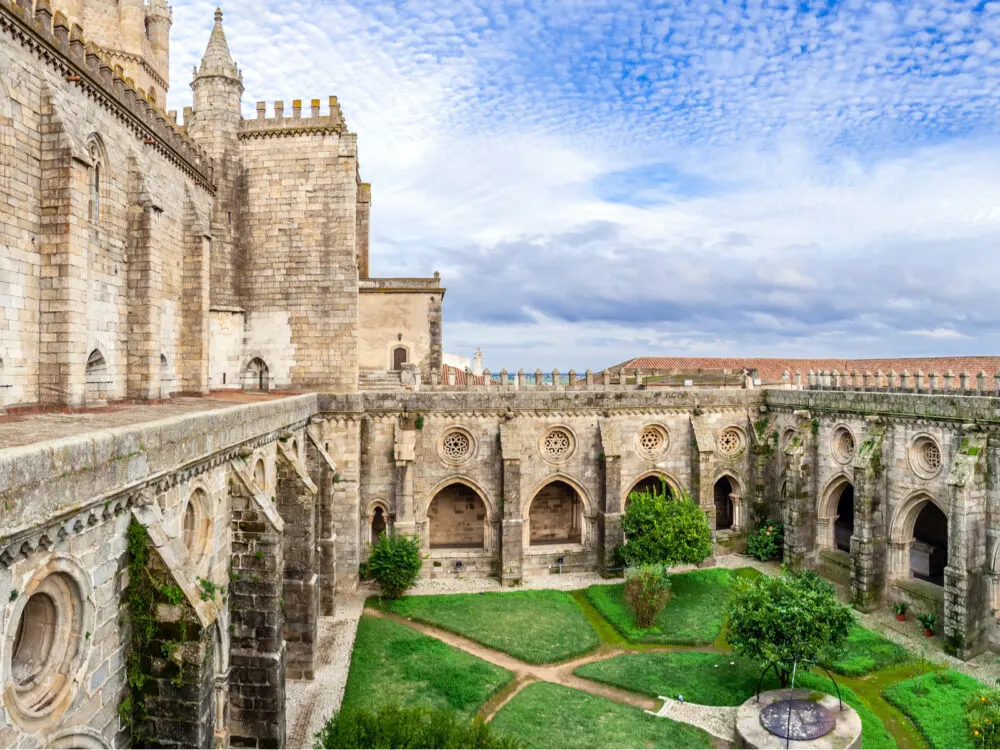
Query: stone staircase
(379, 380)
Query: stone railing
(633, 379)
(402, 285)
(962, 384)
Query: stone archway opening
(929, 549)
(260, 475)
(653, 484)
(457, 519)
(379, 524)
(843, 526)
(97, 378)
(724, 493)
(257, 376)
(556, 515)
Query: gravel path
(719, 721)
(310, 703)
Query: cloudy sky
(597, 180)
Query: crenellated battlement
(295, 121)
(82, 63)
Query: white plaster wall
(225, 349)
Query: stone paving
(26, 429)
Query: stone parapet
(282, 125)
(51, 39)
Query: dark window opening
(929, 551)
(843, 528)
(723, 504)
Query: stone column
(763, 451)
(869, 541)
(144, 293)
(257, 655)
(404, 452)
(296, 498)
(609, 515)
(799, 511)
(324, 474)
(193, 365)
(704, 466)
(512, 525)
(63, 247)
(965, 587)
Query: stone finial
(798, 379)
(878, 378)
(785, 377)
(638, 376)
(606, 377)
(538, 378)
(556, 382)
(261, 110)
(963, 381)
(622, 378)
(217, 60)
(949, 380)
(981, 383)
(933, 378)
(572, 377)
(589, 375)
(996, 383)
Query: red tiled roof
(770, 369)
(462, 377)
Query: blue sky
(599, 180)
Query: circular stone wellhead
(797, 719)
(752, 731)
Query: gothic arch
(672, 484)
(377, 510)
(588, 503)
(255, 375)
(587, 513)
(97, 375)
(833, 529)
(737, 497)
(491, 510)
(460, 532)
(99, 177)
(901, 531)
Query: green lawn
(392, 663)
(695, 676)
(535, 626)
(938, 708)
(544, 715)
(693, 616)
(866, 652)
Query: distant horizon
(595, 179)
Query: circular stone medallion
(797, 719)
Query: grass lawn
(938, 709)
(866, 652)
(693, 616)
(392, 663)
(544, 715)
(693, 675)
(535, 626)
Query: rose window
(730, 442)
(930, 456)
(844, 445)
(652, 441)
(557, 444)
(456, 445)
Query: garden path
(310, 703)
(716, 720)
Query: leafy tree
(661, 529)
(395, 563)
(647, 589)
(397, 727)
(791, 616)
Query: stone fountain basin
(846, 732)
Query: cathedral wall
(301, 278)
(226, 347)
(76, 274)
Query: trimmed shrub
(767, 541)
(982, 717)
(664, 530)
(395, 563)
(647, 589)
(791, 616)
(397, 727)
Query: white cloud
(832, 172)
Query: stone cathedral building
(208, 410)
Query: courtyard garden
(661, 660)
(557, 669)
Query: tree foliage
(647, 589)
(395, 563)
(787, 617)
(393, 726)
(661, 529)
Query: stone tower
(131, 34)
(215, 125)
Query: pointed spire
(217, 60)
